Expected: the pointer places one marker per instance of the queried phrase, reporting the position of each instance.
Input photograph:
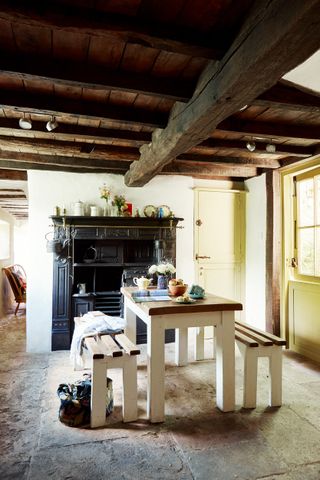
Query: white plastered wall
(5, 291)
(255, 251)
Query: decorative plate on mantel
(166, 211)
(150, 211)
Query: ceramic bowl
(177, 290)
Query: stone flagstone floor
(196, 441)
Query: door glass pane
(305, 203)
(317, 195)
(306, 251)
(317, 252)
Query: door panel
(219, 238)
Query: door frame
(287, 209)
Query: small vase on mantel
(107, 208)
(162, 282)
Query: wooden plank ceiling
(14, 201)
(185, 82)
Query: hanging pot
(53, 244)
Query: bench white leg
(199, 343)
(250, 378)
(98, 393)
(275, 370)
(130, 394)
(181, 347)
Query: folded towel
(92, 324)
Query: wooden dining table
(161, 315)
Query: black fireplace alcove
(104, 253)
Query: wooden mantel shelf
(120, 222)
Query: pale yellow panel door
(219, 242)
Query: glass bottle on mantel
(107, 208)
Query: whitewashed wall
(48, 189)
(5, 292)
(255, 251)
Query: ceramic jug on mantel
(78, 209)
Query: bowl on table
(177, 290)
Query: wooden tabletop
(211, 303)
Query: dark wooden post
(273, 252)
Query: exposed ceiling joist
(55, 106)
(29, 161)
(214, 169)
(114, 28)
(21, 169)
(6, 174)
(273, 130)
(271, 31)
(94, 77)
(228, 161)
(65, 132)
(284, 96)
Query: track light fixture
(25, 123)
(271, 147)
(251, 146)
(52, 124)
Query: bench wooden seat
(254, 343)
(105, 352)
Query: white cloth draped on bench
(92, 324)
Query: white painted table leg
(199, 343)
(225, 362)
(130, 396)
(98, 393)
(155, 366)
(275, 369)
(130, 319)
(181, 346)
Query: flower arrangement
(162, 269)
(119, 201)
(105, 192)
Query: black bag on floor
(75, 399)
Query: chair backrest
(17, 280)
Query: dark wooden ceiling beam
(93, 77)
(8, 174)
(12, 166)
(229, 161)
(286, 97)
(27, 159)
(66, 132)
(114, 28)
(271, 129)
(55, 106)
(276, 37)
(214, 169)
(213, 144)
(71, 149)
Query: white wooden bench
(254, 343)
(105, 352)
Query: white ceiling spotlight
(271, 147)
(251, 146)
(52, 124)
(25, 123)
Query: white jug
(142, 283)
(78, 209)
(82, 288)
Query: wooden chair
(17, 280)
